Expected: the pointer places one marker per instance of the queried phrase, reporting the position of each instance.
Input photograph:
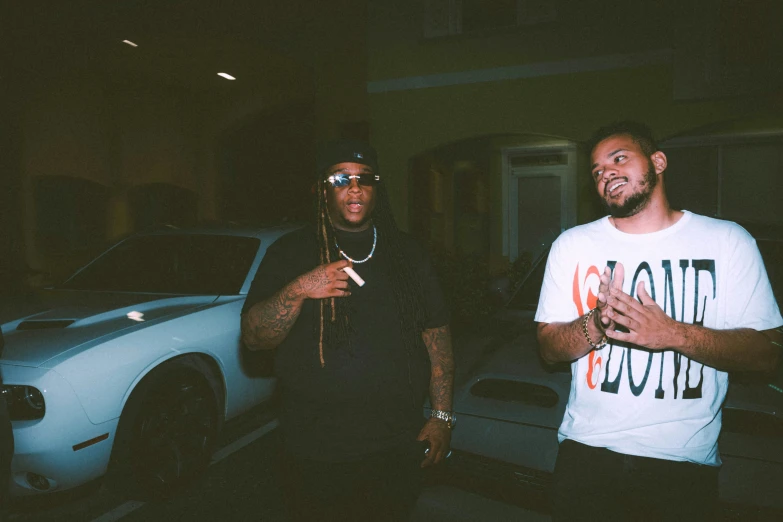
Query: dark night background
(479, 110)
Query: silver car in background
(133, 364)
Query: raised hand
(602, 318)
(325, 281)
(648, 325)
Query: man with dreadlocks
(354, 362)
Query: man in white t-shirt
(652, 306)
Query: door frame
(568, 185)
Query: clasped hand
(647, 324)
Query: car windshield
(170, 264)
(526, 298)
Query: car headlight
(24, 402)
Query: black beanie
(346, 151)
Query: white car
(133, 364)
(508, 413)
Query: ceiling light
(226, 76)
(129, 43)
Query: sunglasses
(339, 179)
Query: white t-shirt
(656, 404)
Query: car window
(516, 391)
(526, 298)
(171, 264)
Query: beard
(636, 202)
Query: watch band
(444, 416)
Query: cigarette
(358, 280)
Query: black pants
(598, 484)
(381, 487)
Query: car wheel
(168, 429)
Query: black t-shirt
(367, 398)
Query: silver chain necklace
(359, 261)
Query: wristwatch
(447, 416)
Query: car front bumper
(63, 449)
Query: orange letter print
(592, 299)
(594, 363)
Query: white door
(541, 198)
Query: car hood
(519, 361)
(60, 320)
(507, 364)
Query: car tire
(167, 431)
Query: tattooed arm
(438, 342)
(267, 323)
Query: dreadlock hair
(639, 133)
(333, 321)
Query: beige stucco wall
(124, 136)
(408, 122)
(590, 65)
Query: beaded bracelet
(600, 343)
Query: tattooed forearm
(267, 323)
(438, 342)
(314, 280)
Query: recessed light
(129, 43)
(226, 76)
